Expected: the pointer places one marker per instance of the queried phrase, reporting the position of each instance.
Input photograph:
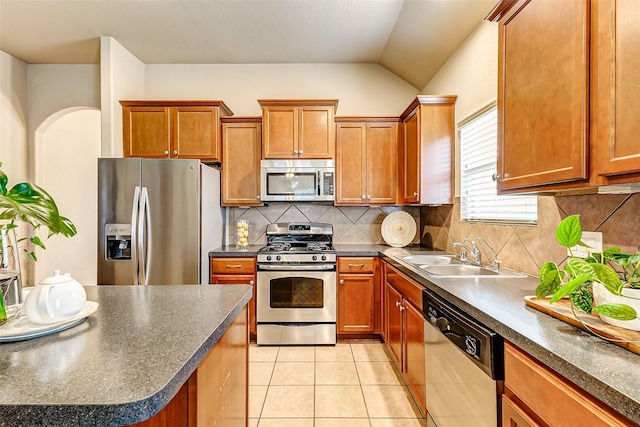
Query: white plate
(24, 329)
(398, 229)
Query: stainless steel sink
(458, 270)
(430, 259)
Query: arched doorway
(67, 146)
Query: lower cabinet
(537, 396)
(216, 394)
(236, 271)
(358, 295)
(405, 331)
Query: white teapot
(55, 299)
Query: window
(478, 157)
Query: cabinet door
(280, 132)
(414, 360)
(241, 164)
(543, 93)
(194, 133)
(411, 144)
(512, 416)
(316, 132)
(356, 303)
(350, 164)
(146, 132)
(616, 92)
(240, 279)
(382, 163)
(393, 301)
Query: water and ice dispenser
(118, 244)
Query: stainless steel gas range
(296, 285)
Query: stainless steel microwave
(297, 180)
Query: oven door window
(296, 292)
(291, 183)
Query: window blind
(478, 157)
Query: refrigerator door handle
(134, 237)
(144, 233)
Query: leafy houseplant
(579, 276)
(27, 203)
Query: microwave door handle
(319, 192)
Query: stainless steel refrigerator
(157, 221)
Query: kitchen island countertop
(121, 365)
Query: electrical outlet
(593, 239)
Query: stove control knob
(315, 257)
(278, 258)
(324, 257)
(268, 257)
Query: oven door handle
(297, 267)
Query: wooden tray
(562, 310)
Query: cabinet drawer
(355, 265)
(552, 397)
(410, 290)
(233, 265)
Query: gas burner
(318, 246)
(277, 247)
(298, 243)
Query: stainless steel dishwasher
(464, 367)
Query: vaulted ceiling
(411, 38)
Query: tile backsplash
(526, 247)
(520, 247)
(351, 224)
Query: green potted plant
(30, 204)
(583, 279)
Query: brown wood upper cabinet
(427, 147)
(567, 100)
(302, 129)
(366, 161)
(173, 129)
(241, 161)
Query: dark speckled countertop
(123, 363)
(607, 371)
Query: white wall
(13, 118)
(471, 72)
(71, 147)
(122, 77)
(52, 89)
(362, 89)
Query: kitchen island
(126, 361)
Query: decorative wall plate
(398, 229)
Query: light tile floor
(349, 385)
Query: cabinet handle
(234, 265)
(295, 151)
(368, 196)
(398, 303)
(258, 197)
(364, 197)
(495, 177)
(252, 283)
(166, 153)
(401, 307)
(342, 281)
(356, 265)
(300, 152)
(415, 193)
(175, 152)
